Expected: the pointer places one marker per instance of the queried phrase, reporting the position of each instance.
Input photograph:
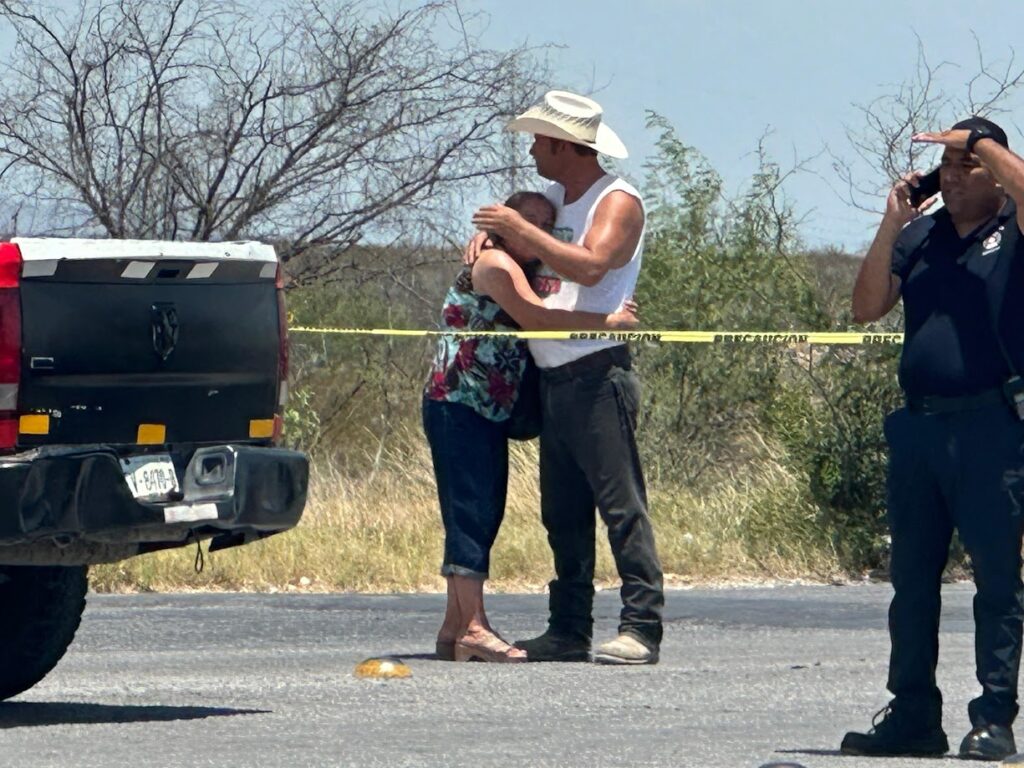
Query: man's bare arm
(1006, 166)
(496, 274)
(610, 243)
(877, 289)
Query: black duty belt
(595, 361)
(934, 404)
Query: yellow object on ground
(384, 669)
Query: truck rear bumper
(70, 497)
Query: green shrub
(780, 447)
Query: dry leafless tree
(208, 120)
(934, 97)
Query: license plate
(150, 477)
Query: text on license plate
(150, 477)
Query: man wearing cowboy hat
(590, 395)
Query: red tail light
(282, 357)
(10, 343)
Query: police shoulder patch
(993, 241)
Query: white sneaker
(625, 649)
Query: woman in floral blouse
(469, 396)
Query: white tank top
(571, 225)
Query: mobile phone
(927, 186)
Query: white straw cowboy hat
(570, 117)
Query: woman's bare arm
(496, 274)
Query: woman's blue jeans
(470, 455)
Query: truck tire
(41, 607)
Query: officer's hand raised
(955, 138)
(898, 207)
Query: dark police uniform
(957, 455)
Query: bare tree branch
(313, 126)
(880, 150)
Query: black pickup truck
(142, 385)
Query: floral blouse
(482, 372)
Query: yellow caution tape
(786, 338)
(385, 668)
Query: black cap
(997, 134)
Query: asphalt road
(747, 677)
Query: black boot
(898, 734)
(988, 742)
(554, 647)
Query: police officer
(956, 451)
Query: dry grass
(382, 533)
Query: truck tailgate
(154, 343)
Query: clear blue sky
(724, 71)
